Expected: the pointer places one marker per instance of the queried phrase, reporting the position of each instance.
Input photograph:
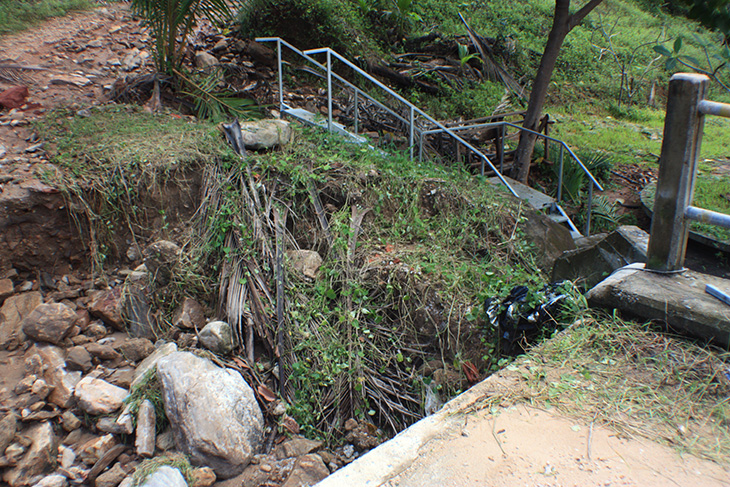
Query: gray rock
(40, 457)
(160, 259)
(96, 396)
(55, 374)
(307, 262)
(49, 323)
(151, 362)
(78, 358)
(12, 313)
(55, 480)
(124, 421)
(145, 435)
(66, 457)
(266, 134)
(165, 476)
(40, 389)
(198, 398)
(135, 349)
(189, 315)
(308, 470)
(217, 336)
(165, 441)
(205, 60)
(202, 477)
(8, 427)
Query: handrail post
(357, 111)
(410, 130)
(587, 231)
(501, 148)
(329, 91)
(281, 77)
(560, 175)
(678, 161)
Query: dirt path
(80, 57)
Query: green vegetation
(17, 15)
(151, 465)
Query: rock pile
(91, 396)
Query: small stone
(14, 97)
(308, 470)
(102, 352)
(296, 447)
(66, 456)
(145, 436)
(265, 467)
(135, 349)
(40, 388)
(69, 421)
(96, 330)
(112, 477)
(25, 384)
(107, 306)
(202, 477)
(78, 81)
(78, 358)
(6, 285)
(91, 451)
(205, 60)
(217, 336)
(55, 480)
(308, 262)
(98, 397)
(165, 441)
(189, 315)
(124, 421)
(8, 428)
(165, 476)
(160, 258)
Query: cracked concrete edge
(395, 455)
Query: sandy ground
(523, 446)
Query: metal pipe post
(357, 111)
(281, 77)
(410, 131)
(329, 92)
(590, 208)
(677, 168)
(501, 148)
(560, 175)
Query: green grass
(18, 15)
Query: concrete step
(318, 120)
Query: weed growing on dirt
(410, 251)
(148, 388)
(151, 465)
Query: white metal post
(329, 91)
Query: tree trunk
(563, 23)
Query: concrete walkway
(463, 445)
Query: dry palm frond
(14, 73)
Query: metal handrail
(357, 90)
(412, 108)
(563, 147)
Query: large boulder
(40, 457)
(266, 134)
(199, 397)
(12, 313)
(49, 323)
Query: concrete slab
(467, 445)
(536, 199)
(678, 299)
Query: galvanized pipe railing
(413, 110)
(563, 147)
(673, 210)
(357, 91)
